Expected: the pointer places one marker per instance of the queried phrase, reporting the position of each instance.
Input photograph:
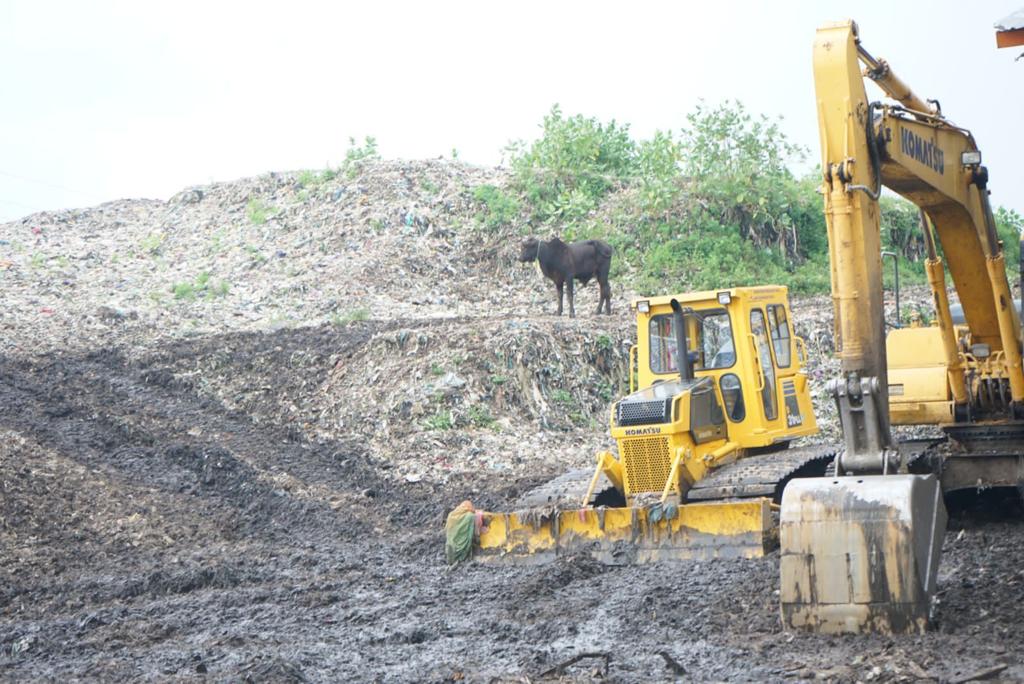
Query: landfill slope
(248, 483)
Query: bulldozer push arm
(861, 552)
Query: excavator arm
(861, 552)
(937, 166)
(850, 186)
(910, 148)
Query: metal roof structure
(1010, 30)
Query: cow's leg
(606, 298)
(559, 286)
(572, 307)
(606, 289)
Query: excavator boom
(860, 550)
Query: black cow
(561, 263)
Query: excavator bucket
(860, 553)
(631, 535)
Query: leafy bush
(738, 166)
(202, 287)
(352, 316)
(480, 416)
(357, 155)
(710, 206)
(562, 396)
(442, 420)
(258, 211)
(152, 243)
(658, 165)
(186, 291)
(1009, 227)
(499, 209)
(564, 173)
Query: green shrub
(185, 291)
(561, 396)
(1009, 226)
(258, 211)
(660, 184)
(357, 155)
(313, 179)
(499, 208)
(351, 316)
(429, 185)
(202, 287)
(152, 243)
(480, 416)
(713, 205)
(574, 163)
(442, 420)
(220, 289)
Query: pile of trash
(483, 393)
(453, 360)
(396, 240)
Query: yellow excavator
(703, 442)
(860, 549)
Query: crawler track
(762, 475)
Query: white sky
(103, 100)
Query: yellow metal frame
(669, 458)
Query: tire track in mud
(251, 557)
(269, 578)
(142, 426)
(148, 439)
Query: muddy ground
(147, 531)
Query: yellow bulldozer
(703, 442)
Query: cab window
(709, 335)
(757, 328)
(780, 334)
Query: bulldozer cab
(742, 340)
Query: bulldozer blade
(860, 554)
(626, 536)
